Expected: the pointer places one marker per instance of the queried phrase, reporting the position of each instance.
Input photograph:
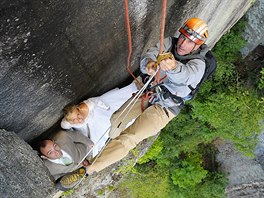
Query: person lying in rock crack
(63, 153)
(94, 117)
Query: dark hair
(42, 144)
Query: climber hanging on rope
(183, 74)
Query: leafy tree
(146, 182)
(189, 173)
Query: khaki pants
(147, 124)
(119, 123)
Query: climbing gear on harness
(160, 58)
(71, 180)
(157, 80)
(196, 30)
(176, 99)
(163, 56)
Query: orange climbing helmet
(196, 30)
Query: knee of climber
(128, 141)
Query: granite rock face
(22, 173)
(254, 32)
(56, 52)
(245, 175)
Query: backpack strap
(210, 67)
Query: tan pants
(147, 124)
(119, 123)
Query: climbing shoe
(70, 180)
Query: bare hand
(150, 68)
(168, 64)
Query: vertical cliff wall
(22, 173)
(56, 52)
(254, 32)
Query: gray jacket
(76, 145)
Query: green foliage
(230, 114)
(100, 192)
(68, 192)
(189, 173)
(128, 166)
(225, 104)
(151, 154)
(226, 52)
(183, 135)
(151, 182)
(227, 48)
(211, 187)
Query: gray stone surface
(56, 52)
(245, 175)
(259, 150)
(22, 173)
(254, 32)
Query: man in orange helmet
(183, 73)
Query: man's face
(75, 117)
(51, 150)
(185, 46)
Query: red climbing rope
(162, 25)
(129, 39)
(157, 79)
(162, 30)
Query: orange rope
(129, 39)
(162, 30)
(162, 25)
